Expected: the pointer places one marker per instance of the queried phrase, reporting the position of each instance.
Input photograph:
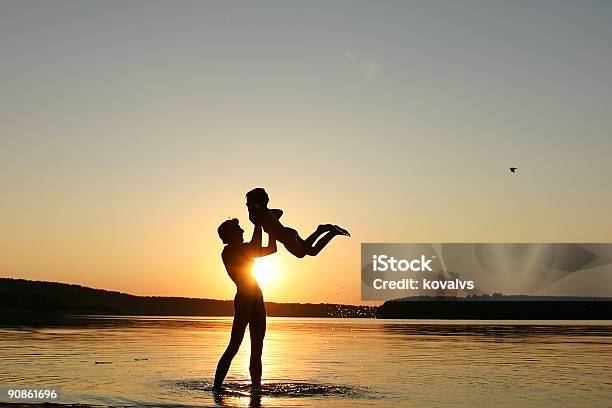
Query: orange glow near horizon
(118, 162)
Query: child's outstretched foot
(342, 231)
(326, 227)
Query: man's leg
(257, 330)
(238, 328)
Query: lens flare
(265, 271)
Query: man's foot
(342, 231)
(217, 388)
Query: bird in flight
(513, 169)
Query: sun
(265, 271)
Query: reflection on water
(277, 389)
(242, 391)
(313, 362)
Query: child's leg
(300, 248)
(321, 229)
(322, 242)
(330, 230)
(238, 327)
(292, 242)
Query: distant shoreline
(62, 298)
(498, 310)
(20, 297)
(48, 405)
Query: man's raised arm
(270, 249)
(255, 244)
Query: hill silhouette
(56, 298)
(18, 296)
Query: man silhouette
(249, 309)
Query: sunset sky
(130, 130)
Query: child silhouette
(269, 220)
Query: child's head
(258, 197)
(230, 232)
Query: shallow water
(313, 362)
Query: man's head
(257, 197)
(230, 232)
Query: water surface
(314, 362)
